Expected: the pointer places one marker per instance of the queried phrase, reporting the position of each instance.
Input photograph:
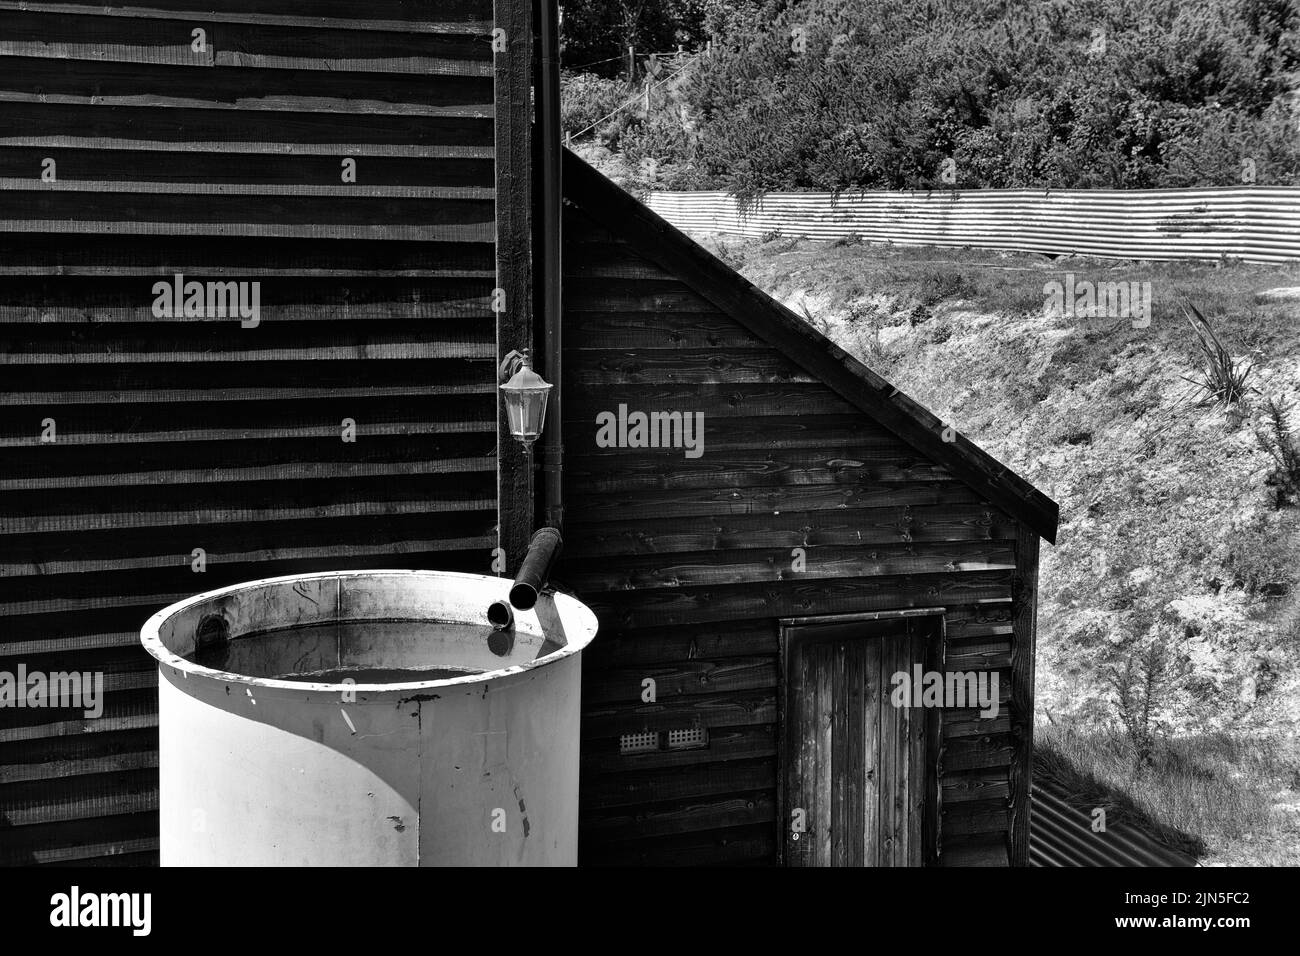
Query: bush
(1274, 436)
(1017, 94)
(587, 99)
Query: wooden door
(860, 774)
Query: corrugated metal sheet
(223, 160)
(1255, 223)
(1061, 834)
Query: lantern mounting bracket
(512, 362)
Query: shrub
(586, 99)
(884, 93)
(1274, 437)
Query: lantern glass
(525, 398)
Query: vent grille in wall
(690, 739)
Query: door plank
(854, 748)
(824, 711)
(874, 688)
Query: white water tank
(456, 744)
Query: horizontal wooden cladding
(791, 336)
(303, 428)
(217, 168)
(450, 16)
(731, 566)
(593, 507)
(78, 798)
(850, 526)
(115, 512)
(308, 418)
(128, 710)
(149, 590)
(343, 216)
(682, 679)
(125, 669)
(981, 786)
(650, 786)
(87, 491)
(982, 620)
(983, 816)
(722, 709)
(833, 466)
(145, 343)
(688, 561)
(405, 536)
(979, 850)
(176, 433)
(697, 605)
(747, 433)
(970, 722)
(284, 303)
(108, 605)
(602, 755)
(107, 84)
(142, 506)
(651, 330)
(736, 400)
(204, 463)
(668, 645)
(347, 306)
(103, 427)
(974, 753)
(676, 366)
(129, 258)
(590, 255)
(733, 846)
(162, 40)
(54, 122)
(92, 299)
(249, 190)
(204, 383)
(349, 470)
(110, 145)
(711, 812)
(128, 839)
(654, 297)
(979, 654)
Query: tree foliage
(835, 94)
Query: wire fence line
(637, 97)
(1253, 223)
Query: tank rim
(570, 606)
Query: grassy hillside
(1169, 656)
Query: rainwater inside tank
(364, 651)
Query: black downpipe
(545, 546)
(536, 568)
(552, 209)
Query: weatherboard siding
(688, 563)
(174, 433)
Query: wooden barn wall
(223, 160)
(688, 563)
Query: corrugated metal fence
(1061, 833)
(1260, 224)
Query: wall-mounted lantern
(525, 395)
